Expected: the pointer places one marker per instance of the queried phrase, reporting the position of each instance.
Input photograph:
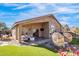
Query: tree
(77, 30)
(3, 27)
(66, 28)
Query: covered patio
(36, 29)
(34, 32)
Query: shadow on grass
(43, 46)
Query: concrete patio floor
(14, 42)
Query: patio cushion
(32, 38)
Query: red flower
(63, 53)
(77, 53)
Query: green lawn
(25, 51)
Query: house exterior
(42, 25)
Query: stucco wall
(55, 24)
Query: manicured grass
(25, 51)
(75, 41)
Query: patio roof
(32, 19)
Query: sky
(65, 13)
